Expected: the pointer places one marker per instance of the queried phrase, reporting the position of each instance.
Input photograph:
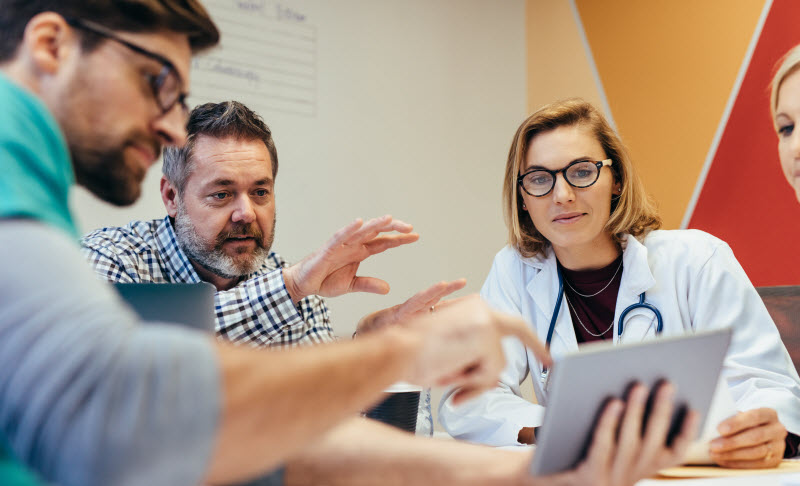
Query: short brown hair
(229, 119)
(633, 212)
(182, 16)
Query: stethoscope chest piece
(642, 304)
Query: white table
(789, 479)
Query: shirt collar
(634, 259)
(178, 264)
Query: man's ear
(47, 43)
(169, 194)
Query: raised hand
(419, 303)
(751, 439)
(331, 270)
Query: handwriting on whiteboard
(266, 58)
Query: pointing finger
(509, 325)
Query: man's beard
(107, 175)
(215, 259)
(99, 153)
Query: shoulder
(507, 259)
(509, 267)
(511, 256)
(37, 249)
(690, 248)
(133, 235)
(680, 241)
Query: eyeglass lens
(579, 174)
(167, 89)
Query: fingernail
(716, 445)
(724, 429)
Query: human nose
(562, 190)
(171, 127)
(243, 211)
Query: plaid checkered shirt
(258, 311)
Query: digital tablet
(582, 382)
(191, 305)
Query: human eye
(261, 192)
(582, 170)
(786, 129)
(219, 196)
(539, 178)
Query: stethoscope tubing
(620, 325)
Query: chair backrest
(783, 304)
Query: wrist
(289, 281)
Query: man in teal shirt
(88, 396)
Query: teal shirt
(34, 183)
(11, 473)
(36, 169)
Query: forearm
(88, 394)
(276, 402)
(359, 452)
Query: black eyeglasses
(166, 85)
(580, 173)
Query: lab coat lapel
(636, 278)
(543, 289)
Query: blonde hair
(633, 212)
(788, 64)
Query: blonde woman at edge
(575, 206)
(785, 108)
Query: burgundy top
(592, 317)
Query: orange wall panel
(558, 65)
(668, 68)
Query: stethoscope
(620, 326)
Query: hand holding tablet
(629, 443)
(595, 381)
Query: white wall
(411, 108)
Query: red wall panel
(745, 199)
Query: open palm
(332, 270)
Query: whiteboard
(405, 107)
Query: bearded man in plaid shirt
(218, 192)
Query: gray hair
(229, 119)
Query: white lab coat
(690, 276)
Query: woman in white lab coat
(575, 204)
